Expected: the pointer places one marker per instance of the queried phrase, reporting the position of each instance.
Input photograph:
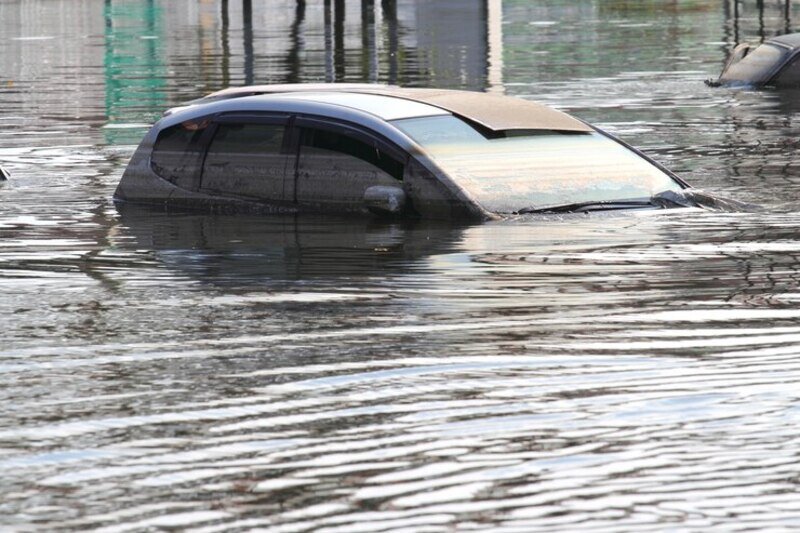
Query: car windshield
(757, 65)
(532, 169)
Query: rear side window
(177, 155)
(345, 144)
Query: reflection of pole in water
(133, 68)
(293, 58)
(369, 52)
(494, 45)
(787, 16)
(151, 11)
(328, 43)
(226, 45)
(247, 22)
(761, 33)
(338, 40)
(389, 8)
(736, 22)
(726, 30)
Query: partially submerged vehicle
(391, 151)
(774, 63)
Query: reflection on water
(252, 249)
(175, 370)
(135, 71)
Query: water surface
(166, 370)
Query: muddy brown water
(186, 371)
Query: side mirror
(385, 200)
(4, 175)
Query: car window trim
(249, 117)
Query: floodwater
(183, 371)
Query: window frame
(245, 117)
(359, 133)
(200, 146)
(292, 141)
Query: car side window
(246, 139)
(331, 141)
(246, 159)
(177, 154)
(789, 76)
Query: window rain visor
(529, 169)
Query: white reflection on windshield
(534, 169)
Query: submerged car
(775, 63)
(391, 151)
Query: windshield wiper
(663, 200)
(587, 206)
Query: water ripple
(164, 370)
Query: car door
(247, 157)
(336, 163)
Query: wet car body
(355, 148)
(774, 63)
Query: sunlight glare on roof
(385, 107)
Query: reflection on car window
(176, 154)
(755, 66)
(246, 159)
(542, 168)
(440, 131)
(345, 144)
(247, 139)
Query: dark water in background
(293, 374)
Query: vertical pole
(109, 21)
(389, 8)
(329, 76)
(787, 15)
(226, 45)
(247, 16)
(726, 29)
(494, 45)
(293, 58)
(338, 40)
(368, 49)
(151, 13)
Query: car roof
(792, 40)
(494, 112)
(381, 106)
